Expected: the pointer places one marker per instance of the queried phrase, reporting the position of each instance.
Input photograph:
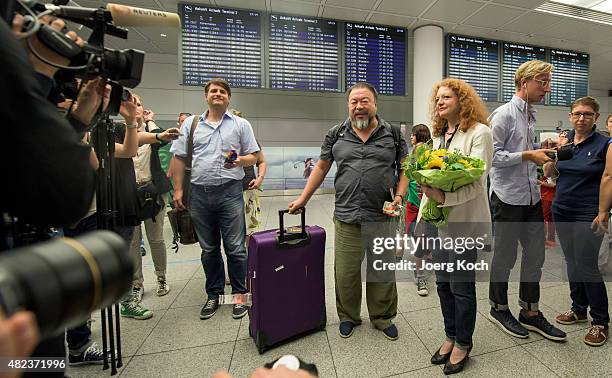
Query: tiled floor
(176, 343)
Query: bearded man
(366, 153)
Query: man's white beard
(361, 124)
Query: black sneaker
(346, 329)
(540, 325)
(91, 355)
(508, 323)
(209, 309)
(239, 311)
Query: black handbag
(150, 201)
(180, 219)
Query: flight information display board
(570, 78)
(476, 61)
(376, 54)
(303, 53)
(513, 55)
(219, 42)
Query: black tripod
(106, 210)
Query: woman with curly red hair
(459, 122)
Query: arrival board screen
(303, 53)
(376, 54)
(476, 61)
(218, 42)
(570, 78)
(513, 55)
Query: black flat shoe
(450, 368)
(440, 359)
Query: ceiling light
(597, 5)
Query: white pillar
(428, 69)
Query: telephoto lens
(63, 280)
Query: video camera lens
(124, 66)
(63, 280)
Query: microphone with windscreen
(125, 15)
(565, 152)
(120, 15)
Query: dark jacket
(47, 176)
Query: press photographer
(55, 181)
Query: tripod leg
(118, 333)
(111, 337)
(104, 340)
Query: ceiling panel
(493, 16)
(533, 23)
(303, 9)
(356, 15)
(156, 35)
(527, 4)
(401, 7)
(579, 30)
(390, 19)
(359, 4)
(451, 10)
(472, 31)
(168, 48)
(242, 4)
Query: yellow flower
(465, 163)
(435, 162)
(441, 152)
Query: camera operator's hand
(169, 135)
(90, 97)
(41, 49)
(549, 143)
(149, 115)
(129, 110)
(18, 336)
(539, 157)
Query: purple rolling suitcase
(287, 283)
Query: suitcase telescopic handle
(281, 223)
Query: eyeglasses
(543, 83)
(577, 115)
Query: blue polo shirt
(579, 177)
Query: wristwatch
(157, 137)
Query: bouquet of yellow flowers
(444, 170)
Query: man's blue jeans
(217, 213)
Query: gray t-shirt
(365, 172)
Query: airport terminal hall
(306, 188)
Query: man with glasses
(517, 209)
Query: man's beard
(361, 124)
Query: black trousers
(581, 250)
(514, 224)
